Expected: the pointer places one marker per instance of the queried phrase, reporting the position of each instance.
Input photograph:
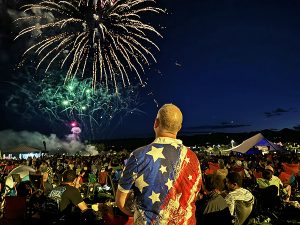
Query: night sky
(231, 66)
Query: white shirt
(241, 194)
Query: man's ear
(180, 127)
(156, 123)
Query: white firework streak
(107, 38)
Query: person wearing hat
(268, 179)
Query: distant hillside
(285, 135)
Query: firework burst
(105, 38)
(74, 101)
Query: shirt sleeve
(128, 175)
(75, 196)
(262, 183)
(230, 202)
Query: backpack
(50, 208)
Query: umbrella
(22, 170)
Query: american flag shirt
(165, 177)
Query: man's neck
(69, 183)
(166, 134)
(235, 189)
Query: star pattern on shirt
(187, 160)
(160, 181)
(169, 183)
(156, 153)
(134, 175)
(154, 197)
(175, 145)
(163, 169)
(140, 183)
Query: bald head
(169, 119)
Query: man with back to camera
(164, 176)
(67, 195)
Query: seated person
(223, 171)
(240, 201)
(47, 177)
(68, 196)
(24, 189)
(268, 179)
(79, 179)
(212, 208)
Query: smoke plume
(11, 139)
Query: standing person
(164, 176)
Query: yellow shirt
(263, 183)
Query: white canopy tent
(22, 151)
(258, 141)
(22, 170)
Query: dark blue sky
(230, 65)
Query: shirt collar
(167, 140)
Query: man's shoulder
(141, 150)
(70, 189)
(192, 154)
(245, 193)
(238, 192)
(190, 151)
(148, 147)
(275, 179)
(57, 192)
(60, 188)
(246, 190)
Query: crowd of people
(161, 183)
(68, 180)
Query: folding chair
(14, 210)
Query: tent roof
(256, 140)
(22, 149)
